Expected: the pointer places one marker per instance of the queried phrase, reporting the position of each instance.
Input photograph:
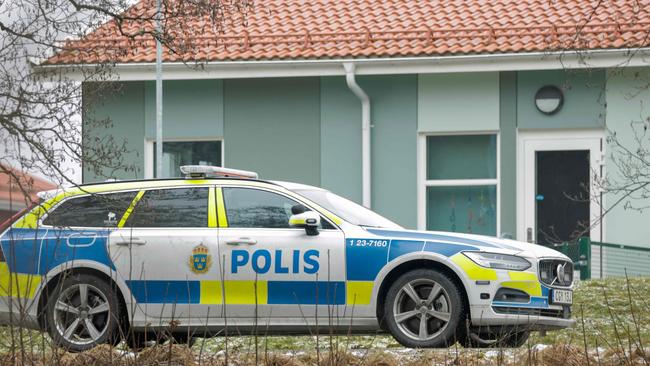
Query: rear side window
(97, 210)
(178, 207)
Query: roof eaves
(574, 59)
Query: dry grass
(609, 332)
(177, 355)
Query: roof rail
(201, 171)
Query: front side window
(97, 210)
(177, 207)
(254, 208)
(178, 153)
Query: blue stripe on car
(363, 262)
(306, 292)
(166, 292)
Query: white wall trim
(606, 58)
(460, 182)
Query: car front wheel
(82, 312)
(423, 309)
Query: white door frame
(528, 142)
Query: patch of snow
(540, 347)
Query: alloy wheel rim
(422, 309)
(81, 314)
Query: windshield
(346, 209)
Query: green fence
(580, 254)
(600, 260)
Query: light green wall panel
(272, 126)
(584, 99)
(191, 109)
(508, 146)
(458, 102)
(340, 139)
(628, 99)
(123, 108)
(394, 146)
(393, 137)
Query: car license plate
(564, 297)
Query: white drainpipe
(365, 131)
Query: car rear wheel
(423, 309)
(83, 312)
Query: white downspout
(365, 132)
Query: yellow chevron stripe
(522, 276)
(130, 209)
(524, 281)
(212, 208)
(473, 270)
(17, 284)
(236, 292)
(358, 292)
(529, 287)
(221, 209)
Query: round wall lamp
(549, 99)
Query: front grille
(551, 313)
(548, 272)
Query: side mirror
(309, 220)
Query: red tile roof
(321, 29)
(11, 192)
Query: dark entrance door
(562, 199)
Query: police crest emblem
(200, 260)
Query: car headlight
(498, 261)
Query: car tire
(411, 297)
(82, 312)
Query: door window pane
(254, 208)
(461, 157)
(178, 153)
(179, 207)
(462, 209)
(98, 210)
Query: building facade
(499, 133)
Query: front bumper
(513, 298)
(537, 319)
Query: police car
(222, 249)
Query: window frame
(149, 153)
(144, 190)
(423, 183)
(300, 200)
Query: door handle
(240, 241)
(132, 241)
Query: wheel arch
(409, 264)
(58, 273)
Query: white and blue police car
(223, 249)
